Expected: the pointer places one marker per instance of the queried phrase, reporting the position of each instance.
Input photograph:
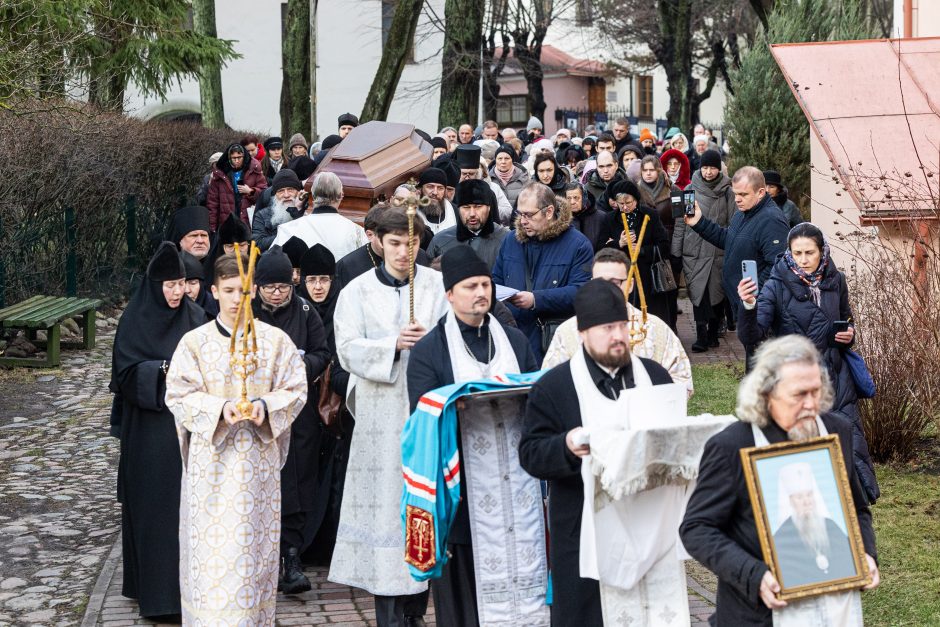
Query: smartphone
(677, 210)
(749, 271)
(689, 200)
(838, 326)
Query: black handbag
(663, 279)
(548, 326)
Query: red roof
(875, 106)
(555, 60)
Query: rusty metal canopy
(875, 107)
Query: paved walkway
(730, 350)
(327, 604)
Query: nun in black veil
(318, 279)
(195, 288)
(150, 466)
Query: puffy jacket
(759, 234)
(701, 261)
(785, 307)
(560, 262)
(515, 184)
(222, 197)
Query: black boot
(701, 338)
(293, 580)
(713, 326)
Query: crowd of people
(522, 261)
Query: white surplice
(338, 233)
(230, 505)
(370, 547)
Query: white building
(349, 46)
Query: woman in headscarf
(548, 172)
(627, 155)
(625, 202)
(318, 270)
(656, 191)
(150, 466)
(277, 304)
(805, 295)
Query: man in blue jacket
(547, 261)
(758, 231)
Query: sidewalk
(327, 604)
(730, 350)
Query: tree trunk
(460, 73)
(295, 63)
(530, 58)
(400, 40)
(493, 65)
(675, 28)
(210, 77)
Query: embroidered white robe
(370, 547)
(230, 505)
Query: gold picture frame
(806, 522)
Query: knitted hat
(462, 262)
(297, 140)
(647, 134)
(712, 158)
(509, 150)
(533, 124)
(599, 302)
(286, 177)
(672, 132)
(274, 267)
(623, 186)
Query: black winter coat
(759, 234)
(785, 307)
(719, 529)
(551, 412)
(592, 222)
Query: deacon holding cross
(379, 317)
(783, 398)
(234, 399)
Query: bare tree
(295, 64)
(398, 44)
(460, 72)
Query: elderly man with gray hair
(784, 397)
(324, 224)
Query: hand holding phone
(747, 288)
(688, 198)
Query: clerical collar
(469, 328)
(387, 279)
(224, 330)
(321, 209)
(609, 384)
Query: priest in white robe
(230, 519)
(324, 224)
(373, 341)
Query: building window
(388, 14)
(584, 13)
(611, 96)
(512, 110)
(644, 97)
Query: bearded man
(285, 188)
(784, 397)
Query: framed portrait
(806, 522)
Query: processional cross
(411, 204)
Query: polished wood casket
(372, 161)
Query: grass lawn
(907, 518)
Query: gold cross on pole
(636, 335)
(244, 358)
(411, 204)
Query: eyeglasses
(275, 288)
(318, 280)
(529, 215)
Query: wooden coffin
(372, 161)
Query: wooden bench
(46, 313)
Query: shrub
(71, 156)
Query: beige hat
(215, 157)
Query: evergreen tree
(767, 127)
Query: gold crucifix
(244, 358)
(411, 204)
(637, 334)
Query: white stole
(465, 366)
(836, 609)
(648, 586)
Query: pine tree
(766, 125)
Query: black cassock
(719, 529)
(364, 259)
(150, 467)
(429, 367)
(553, 411)
(300, 321)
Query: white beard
(279, 213)
(812, 530)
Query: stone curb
(695, 587)
(100, 591)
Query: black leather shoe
(294, 580)
(414, 621)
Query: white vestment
(338, 233)
(370, 547)
(230, 504)
(502, 203)
(660, 344)
(836, 609)
(450, 219)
